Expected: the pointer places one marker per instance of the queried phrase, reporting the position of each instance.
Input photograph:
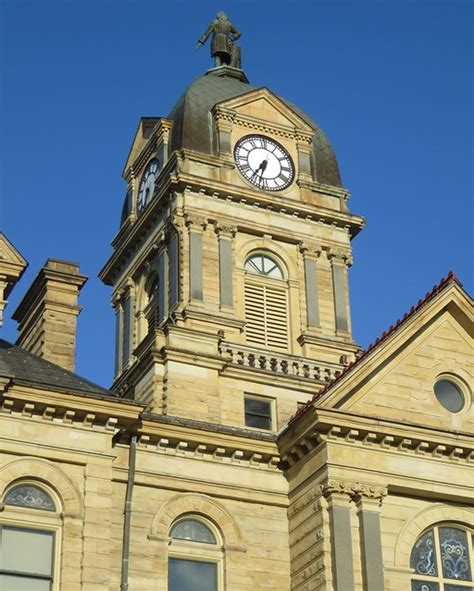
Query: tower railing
(274, 362)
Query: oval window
(449, 395)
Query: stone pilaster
(225, 235)
(340, 261)
(368, 500)
(311, 253)
(196, 227)
(338, 496)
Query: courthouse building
(247, 443)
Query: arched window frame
(440, 582)
(279, 288)
(198, 551)
(29, 519)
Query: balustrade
(289, 365)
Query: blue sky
(388, 81)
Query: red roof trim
(451, 278)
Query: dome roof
(191, 122)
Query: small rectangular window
(26, 559)
(191, 575)
(258, 412)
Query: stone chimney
(47, 315)
(12, 265)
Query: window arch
(195, 560)
(442, 559)
(30, 527)
(266, 302)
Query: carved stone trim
(224, 229)
(196, 222)
(310, 249)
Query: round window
(449, 395)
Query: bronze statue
(223, 49)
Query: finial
(223, 49)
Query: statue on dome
(223, 49)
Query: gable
(397, 382)
(262, 105)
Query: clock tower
(230, 267)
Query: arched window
(27, 551)
(266, 303)
(442, 559)
(195, 556)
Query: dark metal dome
(192, 123)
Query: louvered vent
(266, 313)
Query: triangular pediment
(395, 380)
(144, 131)
(12, 264)
(263, 106)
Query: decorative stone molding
(388, 442)
(339, 256)
(193, 449)
(310, 250)
(47, 472)
(202, 505)
(225, 229)
(196, 222)
(355, 490)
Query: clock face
(147, 184)
(264, 163)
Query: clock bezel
(140, 209)
(286, 153)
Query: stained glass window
(30, 496)
(454, 554)
(424, 586)
(442, 560)
(423, 555)
(194, 530)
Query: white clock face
(147, 184)
(264, 163)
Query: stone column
(128, 323)
(163, 283)
(339, 264)
(225, 235)
(117, 303)
(311, 254)
(368, 500)
(338, 496)
(303, 145)
(196, 225)
(224, 120)
(173, 268)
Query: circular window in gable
(449, 395)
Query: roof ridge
(436, 289)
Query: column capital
(225, 229)
(118, 297)
(196, 222)
(339, 256)
(369, 496)
(337, 488)
(310, 249)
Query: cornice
(331, 427)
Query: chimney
(47, 314)
(12, 265)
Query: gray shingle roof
(191, 127)
(23, 366)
